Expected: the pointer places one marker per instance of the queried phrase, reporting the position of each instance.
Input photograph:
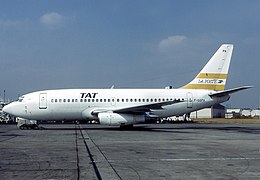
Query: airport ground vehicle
(27, 124)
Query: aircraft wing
(138, 109)
(146, 108)
(229, 91)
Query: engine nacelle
(87, 114)
(120, 119)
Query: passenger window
(93, 100)
(76, 100)
(56, 100)
(52, 100)
(108, 100)
(117, 100)
(105, 100)
(122, 100)
(64, 100)
(72, 100)
(68, 100)
(60, 100)
(86, 100)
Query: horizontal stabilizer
(229, 91)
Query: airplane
(125, 107)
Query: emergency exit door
(43, 101)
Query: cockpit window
(21, 98)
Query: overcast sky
(130, 44)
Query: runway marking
(94, 151)
(210, 159)
(186, 159)
(106, 158)
(90, 154)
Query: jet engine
(88, 114)
(120, 119)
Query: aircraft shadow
(183, 128)
(109, 128)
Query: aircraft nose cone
(8, 109)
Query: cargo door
(43, 101)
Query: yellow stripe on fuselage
(212, 76)
(204, 86)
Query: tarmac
(148, 151)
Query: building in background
(217, 111)
(242, 113)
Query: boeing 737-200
(130, 106)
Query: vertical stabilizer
(214, 74)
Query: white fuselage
(79, 104)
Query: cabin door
(189, 100)
(43, 101)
